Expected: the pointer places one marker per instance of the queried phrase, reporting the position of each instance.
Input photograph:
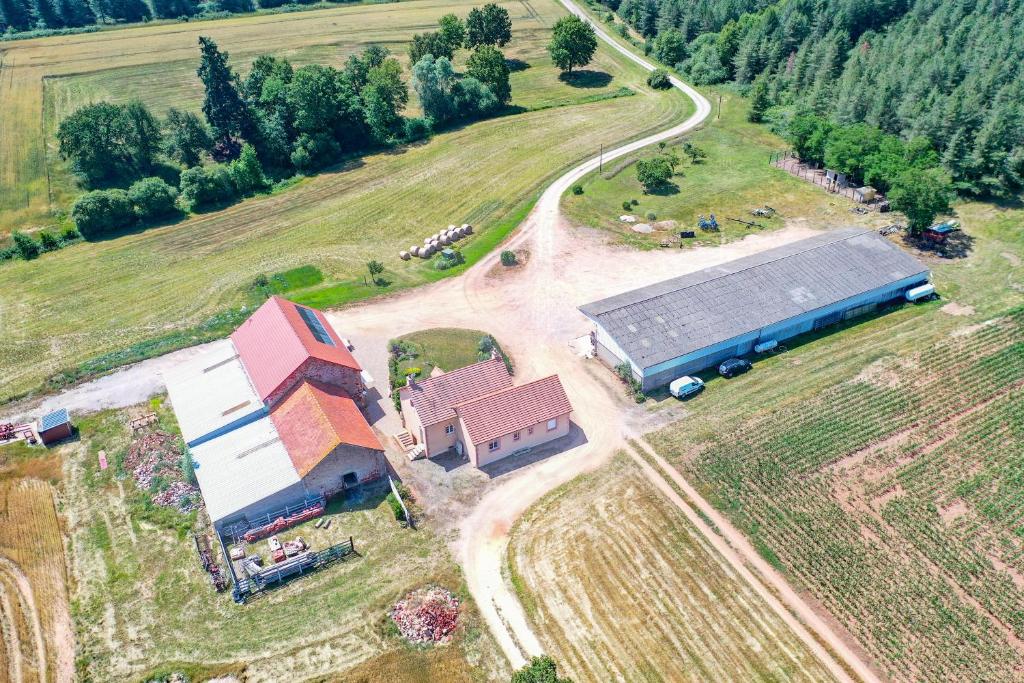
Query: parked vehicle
(733, 367)
(685, 386)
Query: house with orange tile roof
(477, 411)
(273, 419)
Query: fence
(280, 573)
(236, 532)
(790, 163)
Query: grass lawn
(143, 605)
(96, 298)
(877, 464)
(734, 179)
(444, 347)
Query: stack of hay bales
(437, 242)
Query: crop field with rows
(894, 498)
(636, 593)
(35, 623)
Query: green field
(143, 604)
(734, 179)
(445, 348)
(878, 465)
(95, 298)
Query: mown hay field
(878, 466)
(90, 299)
(36, 635)
(145, 607)
(620, 586)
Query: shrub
(625, 373)
(396, 507)
(633, 202)
(152, 198)
(651, 216)
(26, 247)
(247, 173)
(48, 241)
(8, 253)
(101, 211)
(508, 258)
(627, 205)
(416, 128)
(201, 186)
(70, 234)
(577, 189)
(659, 80)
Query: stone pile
(427, 615)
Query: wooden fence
(812, 173)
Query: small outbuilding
(55, 426)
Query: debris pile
(154, 462)
(427, 615)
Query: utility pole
(600, 160)
(719, 105)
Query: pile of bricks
(157, 456)
(427, 615)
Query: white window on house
(515, 436)
(529, 430)
(449, 429)
(552, 423)
(494, 445)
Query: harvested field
(878, 466)
(636, 593)
(180, 276)
(37, 640)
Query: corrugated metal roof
(673, 318)
(276, 340)
(434, 398)
(242, 468)
(54, 419)
(210, 391)
(513, 409)
(314, 419)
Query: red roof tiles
(314, 419)
(435, 398)
(275, 341)
(509, 410)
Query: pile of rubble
(427, 615)
(155, 458)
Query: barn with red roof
(273, 419)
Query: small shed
(864, 194)
(55, 426)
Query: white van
(685, 386)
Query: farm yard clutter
(427, 615)
(154, 462)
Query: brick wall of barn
(328, 477)
(347, 379)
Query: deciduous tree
(573, 43)
(487, 65)
(488, 25)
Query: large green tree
(223, 106)
(488, 25)
(540, 670)
(452, 31)
(921, 195)
(573, 43)
(430, 43)
(110, 142)
(187, 137)
(15, 14)
(487, 65)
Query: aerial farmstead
(686, 324)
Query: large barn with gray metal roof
(693, 322)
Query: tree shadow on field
(666, 190)
(957, 246)
(515, 65)
(587, 78)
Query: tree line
(944, 70)
(277, 121)
(18, 16)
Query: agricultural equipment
(747, 223)
(282, 523)
(707, 223)
(763, 212)
(940, 231)
(206, 558)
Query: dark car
(733, 367)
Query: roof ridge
(505, 390)
(759, 264)
(431, 380)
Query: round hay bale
(428, 252)
(451, 227)
(415, 251)
(404, 255)
(435, 236)
(469, 228)
(462, 232)
(445, 240)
